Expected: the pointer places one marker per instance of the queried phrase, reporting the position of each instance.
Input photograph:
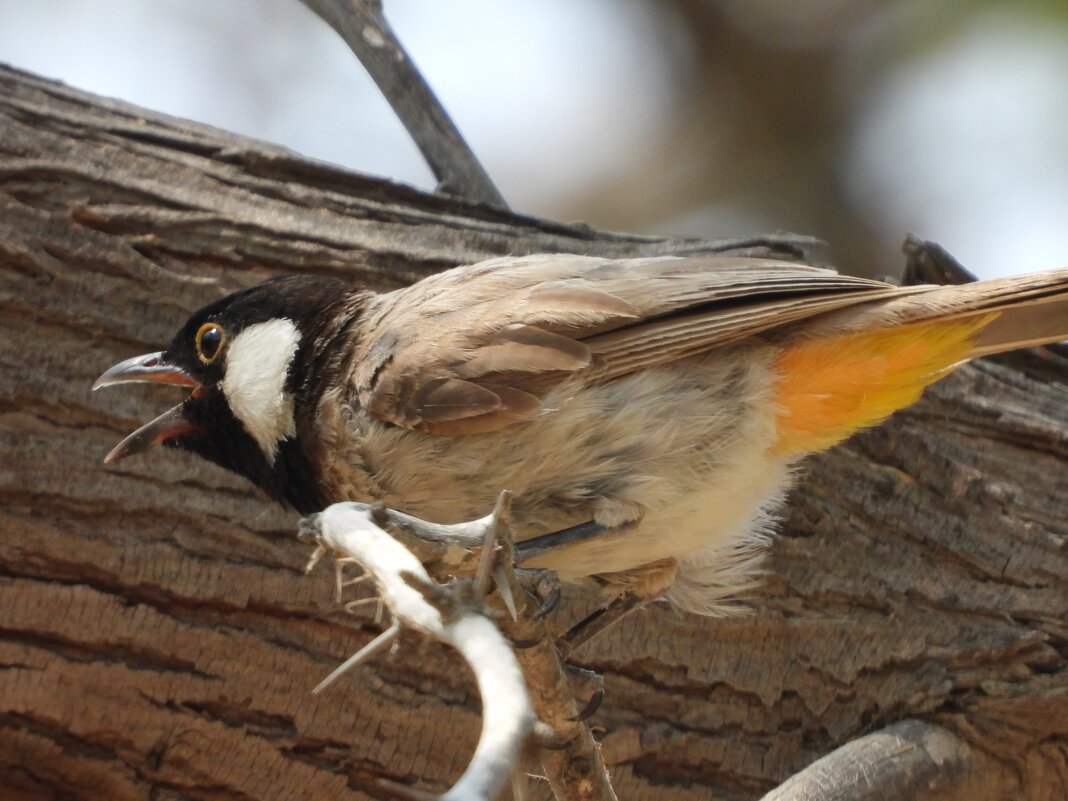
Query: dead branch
(448, 614)
(571, 760)
(910, 759)
(365, 30)
(575, 769)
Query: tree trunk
(158, 637)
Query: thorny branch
(454, 613)
(365, 30)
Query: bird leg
(600, 620)
(536, 546)
(642, 586)
(638, 587)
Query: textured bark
(158, 640)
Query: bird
(647, 414)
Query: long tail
(856, 367)
(1031, 310)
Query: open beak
(151, 368)
(154, 369)
(169, 425)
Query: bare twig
(573, 766)
(363, 26)
(469, 535)
(929, 263)
(910, 759)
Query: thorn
(504, 587)
(486, 559)
(503, 507)
(377, 644)
(352, 605)
(319, 552)
(339, 580)
(519, 785)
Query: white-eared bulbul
(664, 399)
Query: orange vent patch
(830, 388)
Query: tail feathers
(1024, 325)
(828, 388)
(1031, 310)
(856, 367)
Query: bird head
(256, 363)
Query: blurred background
(852, 120)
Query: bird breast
(678, 458)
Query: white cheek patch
(257, 362)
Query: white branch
(444, 613)
(911, 759)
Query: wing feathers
(526, 349)
(624, 351)
(1036, 322)
(454, 407)
(569, 304)
(442, 399)
(462, 407)
(472, 349)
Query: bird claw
(590, 709)
(596, 697)
(548, 604)
(600, 620)
(543, 585)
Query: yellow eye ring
(209, 341)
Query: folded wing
(473, 349)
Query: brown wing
(473, 349)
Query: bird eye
(210, 339)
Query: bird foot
(595, 683)
(639, 587)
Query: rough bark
(158, 640)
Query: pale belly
(678, 459)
